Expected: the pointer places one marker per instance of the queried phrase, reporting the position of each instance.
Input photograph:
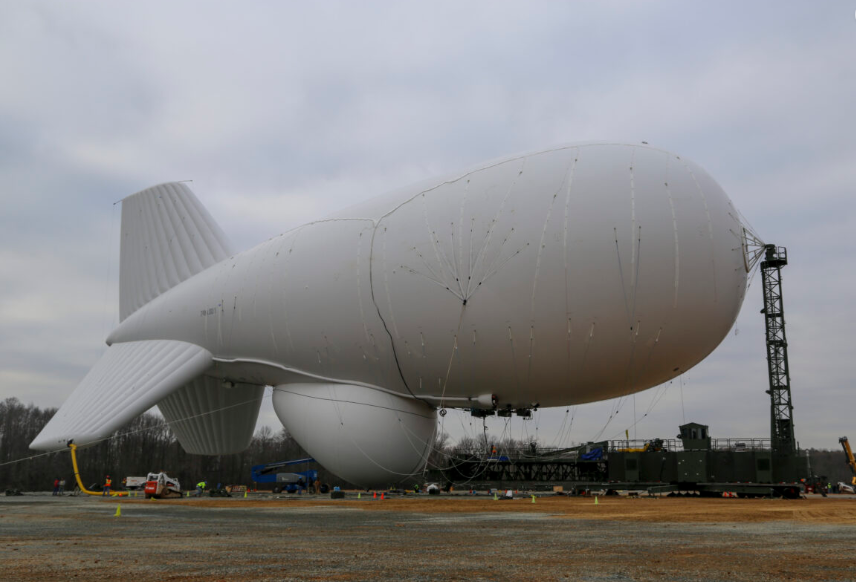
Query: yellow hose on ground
(73, 448)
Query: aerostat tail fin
(167, 237)
(129, 379)
(210, 417)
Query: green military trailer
(696, 462)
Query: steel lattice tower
(781, 421)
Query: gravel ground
(262, 538)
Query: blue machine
(288, 482)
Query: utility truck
(134, 483)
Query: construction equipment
(287, 482)
(161, 486)
(295, 482)
(848, 453)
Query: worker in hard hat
(107, 483)
(200, 488)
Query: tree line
(147, 444)
(830, 464)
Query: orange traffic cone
(375, 495)
(381, 496)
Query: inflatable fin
(129, 379)
(167, 237)
(212, 417)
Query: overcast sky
(283, 112)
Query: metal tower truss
(782, 426)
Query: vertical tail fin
(167, 237)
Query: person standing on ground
(56, 486)
(200, 488)
(61, 486)
(107, 483)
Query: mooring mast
(781, 422)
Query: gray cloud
(285, 112)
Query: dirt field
(461, 538)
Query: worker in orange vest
(107, 483)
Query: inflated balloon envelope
(569, 275)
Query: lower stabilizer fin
(212, 417)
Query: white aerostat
(569, 275)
